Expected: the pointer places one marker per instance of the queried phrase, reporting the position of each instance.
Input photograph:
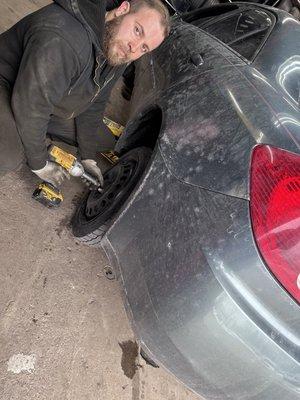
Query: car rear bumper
(199, 296)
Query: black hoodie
(53, 63)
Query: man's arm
(46, 70)
(93, 135)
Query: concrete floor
(64, 333)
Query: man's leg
(63, 130)
(11, 148)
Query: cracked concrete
(64, 333)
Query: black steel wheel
(97, 209)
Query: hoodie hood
(91, 13)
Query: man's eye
(137, 31)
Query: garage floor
(64, 333)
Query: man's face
(128, 37)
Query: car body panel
(277, 65)
(235, 105)
(190, 295)
(201, 299)
(213, 150)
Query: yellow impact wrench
(49, 195)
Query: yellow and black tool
(49, 195)
(116, 130)
(71, 164)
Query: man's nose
(134, 45)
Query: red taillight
(275, 212)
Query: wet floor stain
(130, 353)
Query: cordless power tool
(49, 195)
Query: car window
(244, 31)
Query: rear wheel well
(142, 131)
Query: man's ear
(123, 9)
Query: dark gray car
(207, 244)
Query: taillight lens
(275, 212)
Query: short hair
(136, 5)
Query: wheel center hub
(115, 182)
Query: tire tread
(94, 238)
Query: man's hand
(52, 173)
(92, 168)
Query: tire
(97, 209)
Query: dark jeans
(11, 148)
(64, 130)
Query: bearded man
(57, 68)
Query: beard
(110, 43)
